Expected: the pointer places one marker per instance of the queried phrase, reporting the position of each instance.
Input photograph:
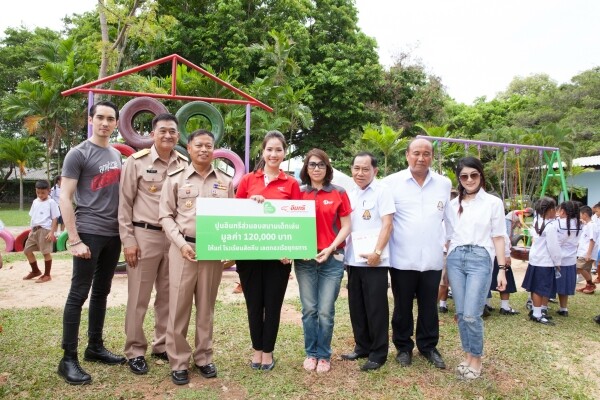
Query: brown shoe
(589, 289)
(43, 278)
(32, 275)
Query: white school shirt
(568, 243)
(482, 219)
(368, 207)
(43, 212)
(588, 233)
(417, 228)
(545, 248)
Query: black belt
(147, 226)
(35, 228)
(190, 239)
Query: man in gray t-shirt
(90, 176)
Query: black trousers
(369, 311)
(264, 283)
(96, 273)
(405, 284)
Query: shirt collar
(155, 156)
(190, 170)
(282, 175)
(327, 188)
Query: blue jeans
(470, 274)
(319, 286)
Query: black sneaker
(443, 310)
(564, 313)
(541, 320)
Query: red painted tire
(520, 253)
(21, 239)
(127, 115)
(204, 109)
(9, 239)
(124, 149)
(238, 164)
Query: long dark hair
(270, 135)
(469, 162)
(541, 208)
(321, 155)
(571, 208)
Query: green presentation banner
(242, 229)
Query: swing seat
(520, 253)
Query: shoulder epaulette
(182, 156)
(175, 171)
(141, 153)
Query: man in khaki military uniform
(144, 243)
(189, 278)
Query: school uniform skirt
(540, 280)
(511, 286)
(565, 285)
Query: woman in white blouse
(475, 231)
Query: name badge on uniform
(151, 170)
(218, 185)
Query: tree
(21, 153)
(386, 140)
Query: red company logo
(294, 208)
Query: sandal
(462, 368)
(323, 366)
(471, 374)
(310, 363)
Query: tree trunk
(20, 191)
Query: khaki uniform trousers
(188, 280)
(152, 271)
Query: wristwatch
(378, 252)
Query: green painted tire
(61, 242)
(206, 110)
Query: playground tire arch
(238, 164)
(21, 239)
(124, 149)
(127, 115)
(9, 239)
(204, 109)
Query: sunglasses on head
(472, 175)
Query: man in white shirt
(372, 215)
(420, 198)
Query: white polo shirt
(481, 220)
(545, 248)
(368, 207)
(417, 231)
(43, 212)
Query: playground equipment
(521, 253)
(9, 240)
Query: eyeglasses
(313, 165)
(472, 175)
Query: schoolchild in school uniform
(44, 221)
(569, 230)
(587, 250)
(544, 259)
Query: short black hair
(164, 117)
(366, 154)
(42, 184)
(105, 103)
(199, 132)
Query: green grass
(523, 360)
(11, 216)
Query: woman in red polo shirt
(319, 279)
(264, 281)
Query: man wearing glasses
(416, 257)
(145, 245)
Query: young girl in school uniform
(544, 259)
(569, 229)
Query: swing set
(549, 155)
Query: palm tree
(384, 139)
(21, 152)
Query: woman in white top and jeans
(475, 231)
